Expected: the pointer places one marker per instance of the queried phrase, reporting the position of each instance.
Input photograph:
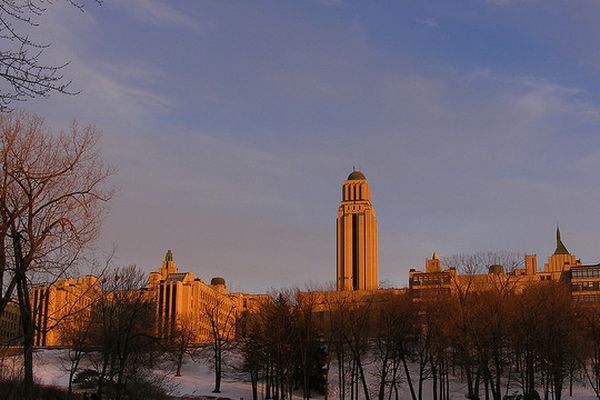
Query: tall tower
(356, 234)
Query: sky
(233, 124)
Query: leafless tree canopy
(22, 68)
(477, 263)
(53, 195)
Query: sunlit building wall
(186, 302)
(561, 266)
(356, 236)
(60, 303)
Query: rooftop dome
(217, 281)
(356, 175)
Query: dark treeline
(499, 344)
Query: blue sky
(233, 124)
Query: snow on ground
(198, 380)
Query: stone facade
(63, 302)
(186, 302)
(10, 324)
(561, 266)
(356, 235)
(181, 300)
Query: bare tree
(469, 266)
(544, 338)
(590, 360)
(52, 201)
(123, 321)
(398, 328)
(250, 342)
(75, 335)
(22, 68)
(181, 340)
(221, 316)
(557, 338)
(279, 345)
(337, 307)
(356, 334)
(309, 347)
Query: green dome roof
(217, 281)
(356, 175)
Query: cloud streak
(161, 14)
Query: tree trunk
(254, 381)
(341, 375)
(434, 379)
(74, 367)
(363, 379)
(217, 368)
(120, 376)
(28, 336)
(179, 363)
(408, 378)
(383, 377)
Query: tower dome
(217, 280)
(356, 176)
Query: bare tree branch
(23, 71)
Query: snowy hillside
(197, 380)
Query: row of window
(10, 316)
(585, 286)
(593, 298)
(422, 293)
(8, 324)
(431, 280)
(349, 192)
(7, 334)
(585, 273)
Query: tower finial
(169, 255)
(560, 247)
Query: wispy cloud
(160, 13)
(430, 22)
(331, 3)
(539, 97)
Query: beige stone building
(185, 301)
(64, 302)
(560, 266)
(330, 308)
(11, 331)
(182, 301)
(356, 236)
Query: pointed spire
(560, 247)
